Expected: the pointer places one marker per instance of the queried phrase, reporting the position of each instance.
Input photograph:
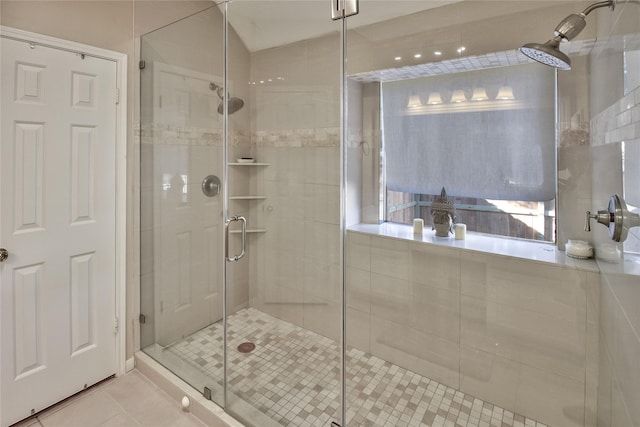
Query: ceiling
(263, 24)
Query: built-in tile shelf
(478, 242)
(247, 197)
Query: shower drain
(246, 347)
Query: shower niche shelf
(247, 197)
(244, 195)
(248, 164)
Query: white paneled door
(57, 222)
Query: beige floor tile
(145, 403)
(127, 401)
(83, 411)
(69, 401)
(121, 420)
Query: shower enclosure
(254, 180)
(270, 281)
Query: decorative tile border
(160, 134)
(315, 137)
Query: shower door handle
(235, 258)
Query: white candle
(418, 224)
(460, 231)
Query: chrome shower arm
(549, 53)
(573, 24)
(218, 89)
(608, 3)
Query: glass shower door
(284, 299)
(181, 223)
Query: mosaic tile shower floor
(293, 376)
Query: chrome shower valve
(617, 217)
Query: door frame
(120, 60)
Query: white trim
(130, 364)
(121, 166)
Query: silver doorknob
(4, 254)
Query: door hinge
(343, 8)
(116, 326)
(142, 65)
(142, 319)
(117, 95)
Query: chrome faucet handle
(604, 217)
(587, 223)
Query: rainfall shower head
(233, 104)
(549, 53)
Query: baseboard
(130, 364)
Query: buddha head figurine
(443, 213)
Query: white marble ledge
(628, 265)
(524, 249)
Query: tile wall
(509, 331)
(296, 275)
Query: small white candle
(418, 224)
(185, 403)
(460, 231)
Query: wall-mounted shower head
(549, 53)
(233, 104)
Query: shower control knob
(4, 254)
(617, 218)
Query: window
(487, 137)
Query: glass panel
(181, 226)
(284, 297)
(436, 333)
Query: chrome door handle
(4, 254)
(235, 258)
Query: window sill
(476, 242)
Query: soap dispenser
(617, 217)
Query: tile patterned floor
(293, 377)
(127, 401)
